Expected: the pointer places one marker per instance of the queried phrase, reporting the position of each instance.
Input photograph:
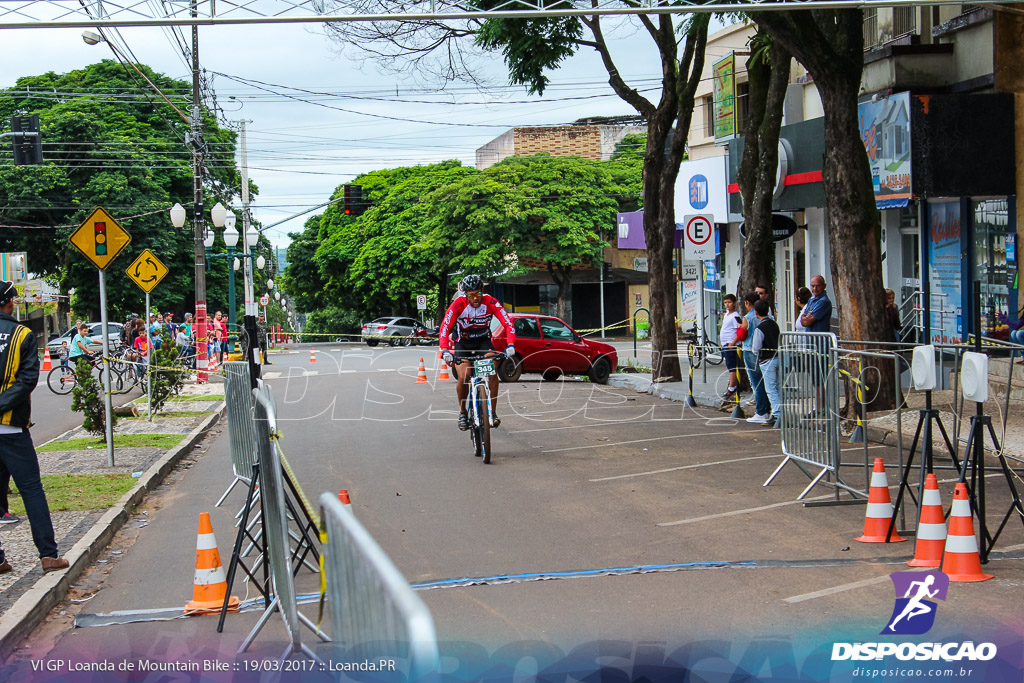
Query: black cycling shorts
(482, 343)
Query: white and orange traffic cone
(421, 374)
(312, 356)
(443, 377)
(344, 498)
(879, 512)
(47, 363)
(931, 530)
(961, 561)
(210, 586)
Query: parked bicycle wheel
(714, 353)
(483, 416)
(61, 380)
(695, 353)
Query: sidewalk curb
(32, 607)
(673, 391)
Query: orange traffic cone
(931, 530)
(879, 512)
(961, 562)
(443, 377)
(47, 364)
(312, 356)
(421, 374)
(343, 497)
(210, 586)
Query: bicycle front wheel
(693, 352)
(61, 380)
(483, 415)
(715, 356)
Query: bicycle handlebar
(468, 356)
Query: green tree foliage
(168, 374)
(428, 222)
(109, 141)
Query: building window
(709, 116)
(904, 21)
(870, 27)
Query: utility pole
(250, 303)
(197, 197)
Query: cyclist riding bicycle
(469, 317)
(80, 344)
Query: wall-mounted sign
(885, 130)
(783, 227)
(640, 264)
(724, 74)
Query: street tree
(768, 78)
(830, 44)
(531, 49)
(125, 153)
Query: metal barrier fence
(374, 613)
(808, 390)
(241, 428)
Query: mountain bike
(478, 404)
(699, 348)
(63, 378)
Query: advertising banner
(885, 130)
(944, 272)
(702, 187)
(725, 97)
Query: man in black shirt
(766, 346)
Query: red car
(547, 345)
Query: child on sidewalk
(63, 353)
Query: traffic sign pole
(108, 409)
(149, 364)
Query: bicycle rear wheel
(61, 380)
(483, 416)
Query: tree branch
(621, 88)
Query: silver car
(393, 330)
(95, 338)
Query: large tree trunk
(768, 79)
(830, 45)
(561, 278)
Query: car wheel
(511, 369)
(371, 342)
(551, 374)
(395, 340)
(600, 371)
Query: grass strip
(66, 492)
(201, 398)
(120, 441)
(171, 413)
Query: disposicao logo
(914, 614)
(698, 192)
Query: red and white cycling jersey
(474, 322)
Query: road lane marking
(836, 589)
(687, 467)
(624, 443)
(639, 419)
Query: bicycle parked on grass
(699, 347)
(478, 403)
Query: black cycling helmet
(472, 283)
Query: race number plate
(484, 368)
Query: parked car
(95, 338)
(547, 345)
(393, 330)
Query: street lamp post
(230, 240)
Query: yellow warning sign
(147, 271)
(100, 238)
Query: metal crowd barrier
(809, 393)
(241, 428)
(374, 613)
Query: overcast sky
(301, 146)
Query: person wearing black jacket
(19, 361)
(766, 346)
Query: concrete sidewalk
(27, 594)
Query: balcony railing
(870, 27)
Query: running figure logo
(913, 613)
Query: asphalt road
(586, 480)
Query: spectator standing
(727, 337)
(142, 345)
(762, 406)
(19, 359)
(64, 353)
(803, 297)
(261, 334)
(764, 294)
(766, 346)
(172, 328)
(817, 316)
(892, 312)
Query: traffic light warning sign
(100, 238)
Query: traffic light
(27, 142)
(100, 236)
(354, 203)
(606, 269)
